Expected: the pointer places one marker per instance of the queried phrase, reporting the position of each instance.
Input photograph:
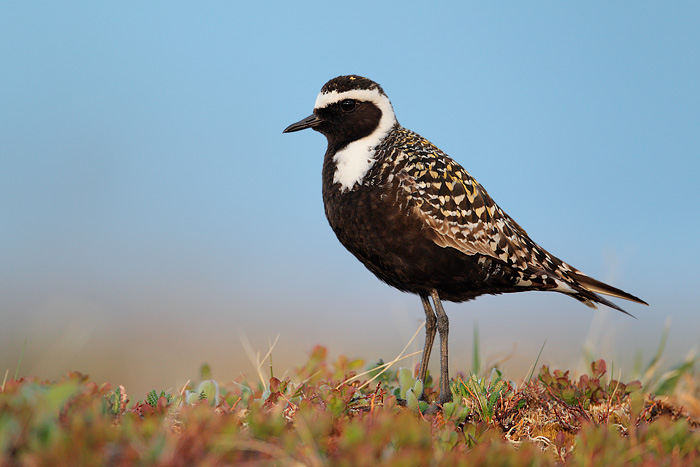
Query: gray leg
(430, 330)
(443, 325)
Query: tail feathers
(590, 299)
(599, 287)
(587, 290)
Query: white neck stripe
(354, 161)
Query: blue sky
(152, 212)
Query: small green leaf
(448, 408)
(412, 401)
(406, 381)
(336, 405)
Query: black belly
(398, 249)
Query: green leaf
(406, 381)
(412, 401)
(209, 390)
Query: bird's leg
(443, 325)
(430, 330)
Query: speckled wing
(461, 214)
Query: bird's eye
(348, 105)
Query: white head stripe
(371, 95)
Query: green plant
(153, 397)
(410, 389)
(485, 392)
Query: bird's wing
(460, 214)
(457, 212)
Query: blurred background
(153, 216)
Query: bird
(420, 222)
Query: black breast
(373, 220)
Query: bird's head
(347, 109)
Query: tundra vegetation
(346, 412)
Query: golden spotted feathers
(458, 211)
